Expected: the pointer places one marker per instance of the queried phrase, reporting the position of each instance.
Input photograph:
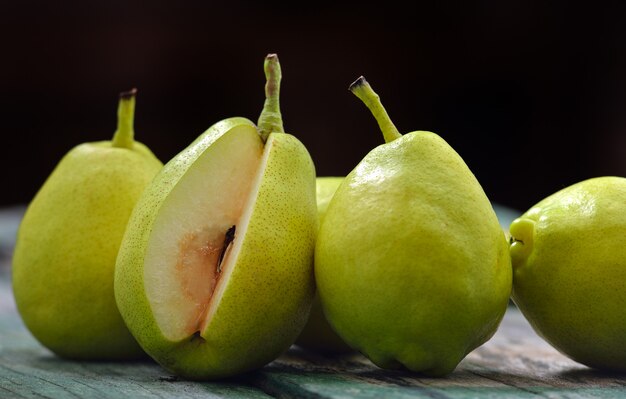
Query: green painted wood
(516, 363)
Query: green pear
(411, 264)
(317, 334)
(569, 269)
(325, 188)
(214, 276)
(67, 244)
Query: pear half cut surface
(188, 253)
(214, 276)
(68, 241)
(412, 267)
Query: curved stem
(125, 133)
(271, 119)
(365, 93)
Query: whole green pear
(318, 335)
(68, 241)
(411, 264)
(215, 273)
(569, 271)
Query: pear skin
(569, 268)
(411, 264)
(68, 242)
(318, 335)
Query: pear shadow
(319, 356)
(54, 359)
(356, 367)
(38, 362)
(593, 377)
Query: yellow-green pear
(569, 271)
(411, 264)
(67, 244)
(325, 188)
(317, 334)
(214, 276)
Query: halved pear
(214, 276)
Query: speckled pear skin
(66, 249)
(411, 265)
(268, 295)
(318, 335)
(569, 265)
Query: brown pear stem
(362, 89)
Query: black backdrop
(532, 95)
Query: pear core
(198, 268)
(198, 230)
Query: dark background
(532, 95)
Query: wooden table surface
(514, 363)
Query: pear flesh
(183, 261)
